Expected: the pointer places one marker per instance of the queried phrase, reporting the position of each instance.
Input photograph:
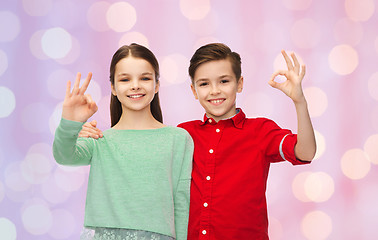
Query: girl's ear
(157, 87)
(113, 90)
(240, 85)
(194, 91)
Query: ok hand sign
(77, 106)
(294, 74)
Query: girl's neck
(137, 120)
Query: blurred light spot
(319, 187)
(376, 44)
(121, 16)
(35, 123)
(343, 59)
(206, 26)
(37, 7)
(7, 102)
(52, 193)
(359, 10)
(355, 164)
(254, 108)
(63, 224)
(68, 181)
(56, 43)
(8, 229)
(36, 46)
(9, 26)
(72, 55)
(3, 62)
(36, 168)
(275, 229)
(55, 117)
(57, 82)
(96, 16)
(305, 33)
(280, 63)
(133, 37)
(195, 9)
(37, 219)
(348, 32)
(298, 186)
(373, 86)
(371, 148)
(14, 179)
(320, 144)
(297, 4)
(317, 101)
(316, 225)
(2, 193)
(174, 69)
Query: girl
(139, 180)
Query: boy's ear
(240, 85)
(194, 91)
(113, 90)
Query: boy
(232, 153)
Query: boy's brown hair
(213, 52)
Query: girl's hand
(77, 106)
(89, 130)
(292, 87)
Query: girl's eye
(124, 80)
(146, 79)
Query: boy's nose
(214, 90)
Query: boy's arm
(305, 148)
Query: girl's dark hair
(137, 51)
(212, 52)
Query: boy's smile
(215, 86)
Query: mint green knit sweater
(139, 179)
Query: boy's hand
(77, 106)
(89, 130)
(292, 87)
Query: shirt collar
(237, 119)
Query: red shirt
(230, 170)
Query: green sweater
(139, 179)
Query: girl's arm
(305, 148)
(77, 108)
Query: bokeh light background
(43, 43)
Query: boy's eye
(203, 84)
(224, 81)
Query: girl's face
(134, 84)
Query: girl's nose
(135, 85)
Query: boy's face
(215, 86)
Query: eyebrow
(143, 74)
(207, 79)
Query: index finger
(287, 59)
(86, 83)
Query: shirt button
(205, 204)
(211, 151)
(208, 178)
(210, 120)
(203, 232)
(217, 130)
